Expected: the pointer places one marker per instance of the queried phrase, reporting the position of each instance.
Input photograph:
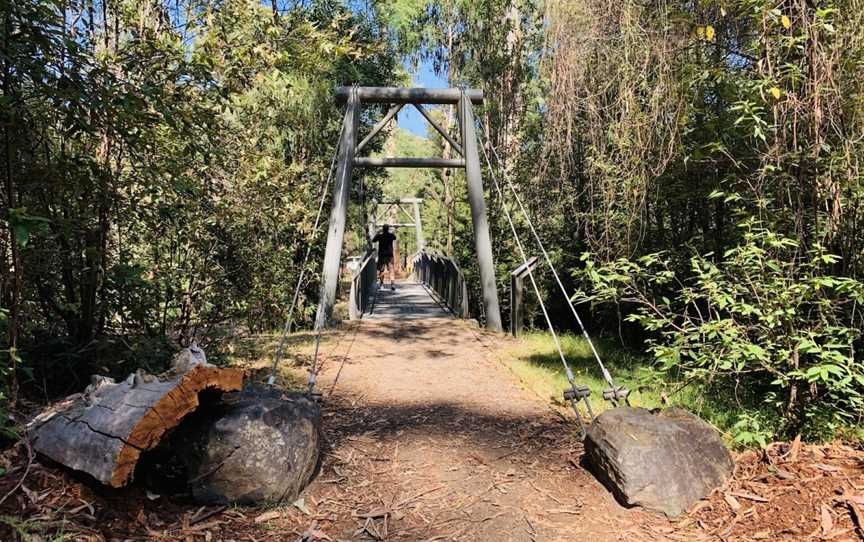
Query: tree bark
(16, 287)
(104, 431)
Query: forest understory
(693, 172)
(405, 465)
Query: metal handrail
(363, 286)
(444, 278)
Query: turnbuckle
(575, 394)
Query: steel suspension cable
(286, 329)
(570, 376)
(607, 376)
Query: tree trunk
(104, 431)
(16, 286)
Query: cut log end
(104, 432)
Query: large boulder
(257, 445)
(663, 461)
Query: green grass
(536, 362)
(32, 530)
(256, 353)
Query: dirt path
(431, 438)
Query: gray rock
(257, 445)
(663, 462)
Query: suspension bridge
(414, 386)
(443, 284)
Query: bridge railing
(363, 287)
(444, 278)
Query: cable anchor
(575, 394)
(616, 394)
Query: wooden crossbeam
(395, 95)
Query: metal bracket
(575, 394)
(616, 394)
(517, 278)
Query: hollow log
(104, 430)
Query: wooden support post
(377, 128)
(418, 227)
(373, 221)
(338, 211)
(482, 241)
(517, 282)
(442, 131)
(516, 314)
(397, 252)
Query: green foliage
(161, 170)
(767, 319)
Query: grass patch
(31, 530)
(536, 362)
(257, 352)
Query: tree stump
(258, 445)
(664, 462)
(104, 430)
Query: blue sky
(409, 118)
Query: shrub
(767, 321)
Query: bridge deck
(410, 301)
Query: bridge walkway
(408, 301)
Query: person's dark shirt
(385, 243)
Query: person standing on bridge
(385, 255)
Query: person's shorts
(384, 261)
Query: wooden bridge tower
(347, 159)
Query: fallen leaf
(698, 507)
(564, 511)
(375, 513)
(856, 515)
(785, 475)
(792, 456)
(86, 505)
(267, 516)
(300, 504)
(857, 499)
(732, 502)
(32, 495)
(785, 21)
(775, 92)
(827, 521)
(748, 496)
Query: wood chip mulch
(789, 492)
